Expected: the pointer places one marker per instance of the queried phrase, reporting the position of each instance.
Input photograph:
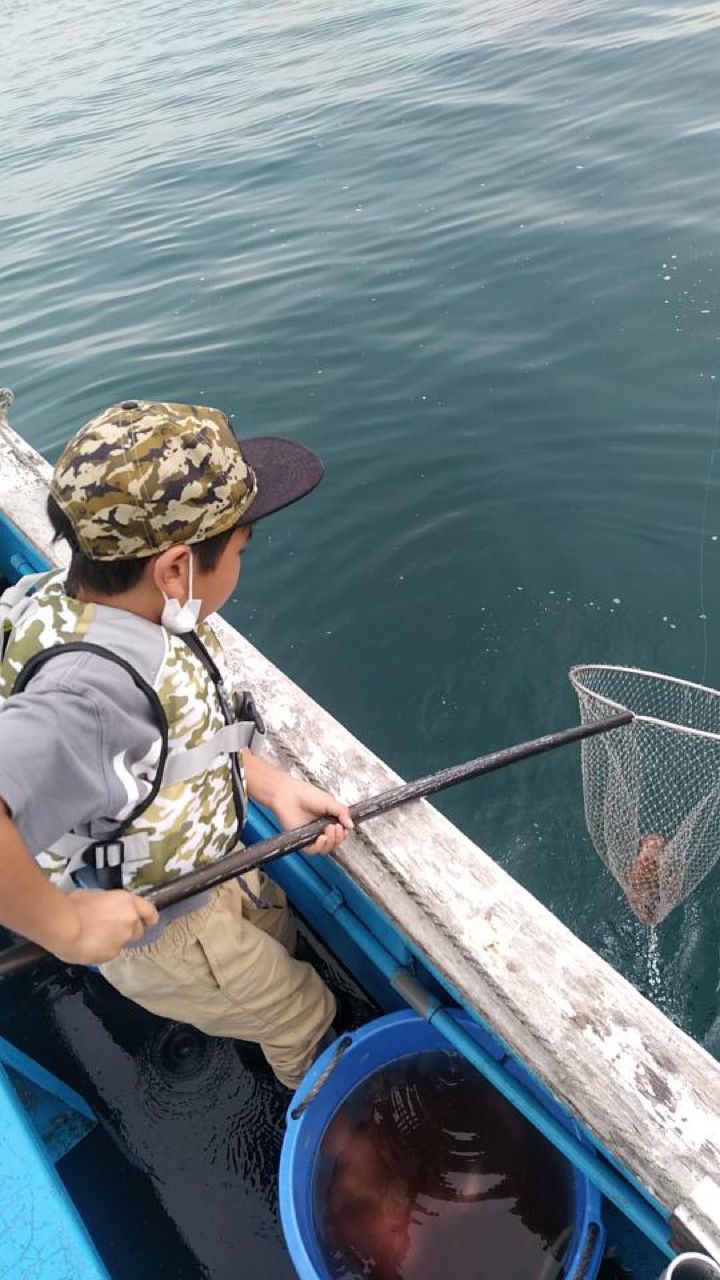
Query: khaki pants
(227, 969)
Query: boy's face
(217, 585)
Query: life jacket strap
(183, 765)
(81, 851)
(196, 646)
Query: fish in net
(651, 787)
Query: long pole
(245, 858)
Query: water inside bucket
(425, 1171)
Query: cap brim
(285, 471)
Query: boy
(121, 760)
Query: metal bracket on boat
(342, 1045)
(682, 1238)
(688, 1233)
(415, 994)
(332, 901)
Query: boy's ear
(169, 570)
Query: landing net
(652, 787)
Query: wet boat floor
(179, 1178)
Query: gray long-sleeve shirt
(66, 743)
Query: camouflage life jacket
(186, 798)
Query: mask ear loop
(178, 618)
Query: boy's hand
(296, 803)
(101, 924)
(87, 926)
(301, 802)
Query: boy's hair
(112, 577)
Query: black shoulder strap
(196, 646)
(32, 667)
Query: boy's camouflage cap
(144, 476)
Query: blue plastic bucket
(371, 1049)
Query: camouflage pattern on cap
(144, 476)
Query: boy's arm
(83, 927)
(295, 802)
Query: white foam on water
(656, 986)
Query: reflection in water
(179, 1067)
(181, 1072)
(426, 1169)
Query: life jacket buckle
(110, 854)
(246, 709)
(108, 858)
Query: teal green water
(469, 253)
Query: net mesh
(652, 787)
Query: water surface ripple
(468, 252)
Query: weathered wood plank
(647, 1091)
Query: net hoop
(580, 687)
(651, 790)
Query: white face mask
(179, 618)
